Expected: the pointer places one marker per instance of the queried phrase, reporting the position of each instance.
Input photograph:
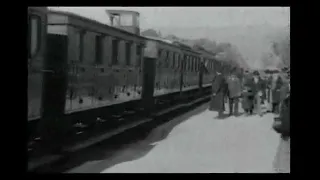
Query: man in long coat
(258, 88)
(247, 94)
(282, 159)
(219, 90)
(285, 89)
(269, 84)
(234, 92)
(276, 86)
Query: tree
(281, 48)
(150, 32)
(267, 59)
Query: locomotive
(78, 66)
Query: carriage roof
(87, 19)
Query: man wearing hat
(247, 94)
(285, 89)
(219, 91)
(258, 88)
(269, 96)
(234, 92)
(276, 86)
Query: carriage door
(35, 65)
(55, 76)
(149, 69)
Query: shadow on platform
(105, 156)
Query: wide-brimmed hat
(285, 69)
(256, 73)
(272, 70)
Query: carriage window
(139, 54)
(196, 64)
(166, 59)
(128, 53)
(179, 61)
(174, 60)
(99, 48)
(192, 64)
(171, 59)
(81, 45)
(115, 48)
(126, 20)
(184, 63)
(77, 44)
(115, 20)
(188, 63)
(34, 35)
(159, 53)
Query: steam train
(78, 66)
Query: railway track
(125, 134)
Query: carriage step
(116, 116)
(100, 120)
(129, 112)
(80, 125)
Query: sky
(248, 28)
(154, 17)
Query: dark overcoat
(234, 86)
(276, 90)
(219, 88)
(247, 95)
(259, 86)
(282, 159)
(247, 100)
(284, 91)
(269, 82)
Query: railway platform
(197, 142)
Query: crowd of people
(251, 90)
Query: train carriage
(168, 66)
(80, 70)
(190, 70)
(209, 62)
(36, 58)
(190, 79)
(103, 62)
